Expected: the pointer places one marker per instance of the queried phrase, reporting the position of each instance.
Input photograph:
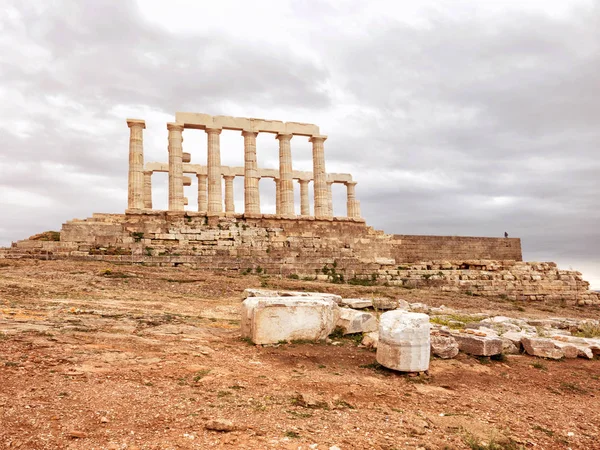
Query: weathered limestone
(304, 200)
(251, 177)
(147, 189)
(277, 195)
(135, 197)
(285, 174)
(404, 342)
(478, 345)
(320, 187)
(202, 193)
(541, 347)
(357, 303)
(269, 320)
(229, 201)
(352, 205)
(444, 347)
(176, 201)
(215, 193)
(351, 321)
(251, 292)
(329, 199)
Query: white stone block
(268, 320)
(352, 321)
(404, 342)
(251, 292)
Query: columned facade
(212, 176)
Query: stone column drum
(329, 184)
(135, 184)
(404, 342)
(215, 192)
(304, 200)
(277, 195)
(176, 201)
(147, 189)
(352, 205)
(319, 176)
(202, 193)
(251, 178)
(285, 174)
(229, 203)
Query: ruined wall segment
(415, 248)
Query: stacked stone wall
(335, 250)
(419, 248)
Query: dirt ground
(102, 356)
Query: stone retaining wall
(335, 250)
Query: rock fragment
(351, 321)
(444, 347)
(541, 347)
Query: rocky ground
(100, 356)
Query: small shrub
(259, 270)
(539, 365)
(137, 236)
(588, 330)
(294, 276)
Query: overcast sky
(462, 117)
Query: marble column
(251, 178)
(277, 195)
(304, 201)
(135, 183)
(321, 198)
(329, 199)
(202, 193)
(176, 200)
(352, 204)
(229, 203)
(285, 175)
(147, 189)
(215, 190)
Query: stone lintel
(202, 121)
(199, 169)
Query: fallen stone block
(251, 292)
(569, 350)
(444, 347)
(370, 340)
(404, 342)
(542, 347)
(472, 344)
(357, 303)
(384, 303)
(268, 320)
(509, 347)
(351, 321)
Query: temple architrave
(209, 177)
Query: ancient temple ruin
(314, 244)
(210, 176)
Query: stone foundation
(335, 249)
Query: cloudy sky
(462, 117)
